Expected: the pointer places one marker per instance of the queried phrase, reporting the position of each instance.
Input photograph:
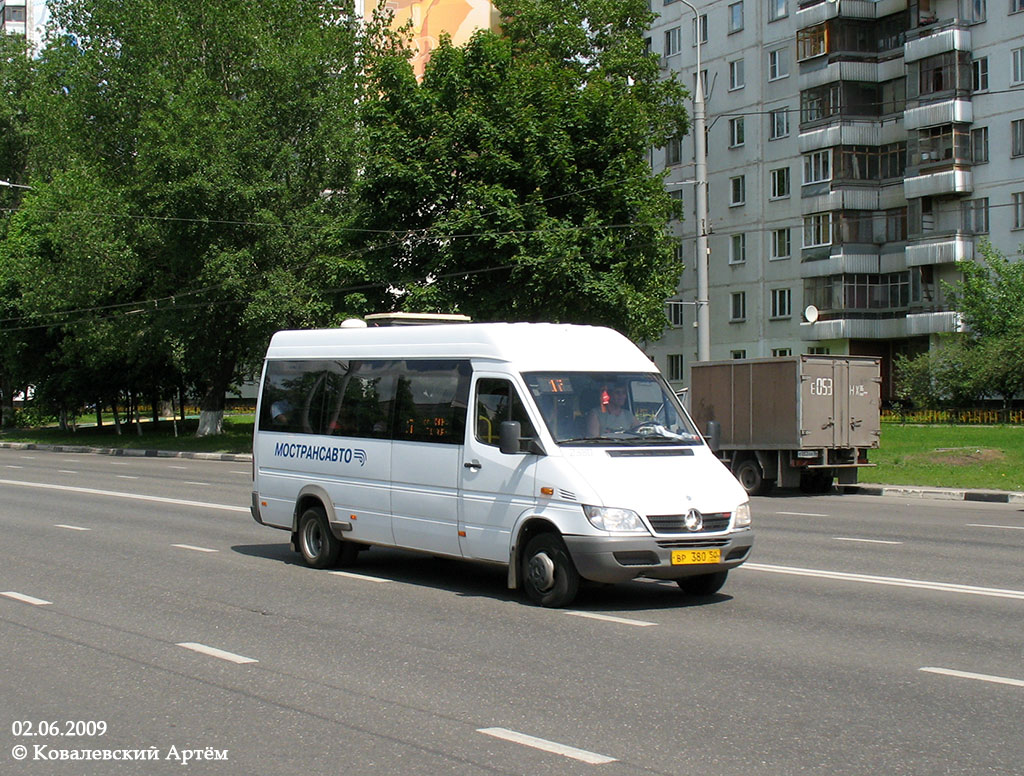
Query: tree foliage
(987, 359)
(517, 169)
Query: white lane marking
(247, 474)
(177, 467)
(71, 527)
(611, 618)
(214, 652)
(802, 514)
(364, 577)
(547, 746)
(945, 587)
(190, 482)
(66, 471)
(971, 675)
(118, 494)
(867, 541)
(26, 599)
(119, 463)
(14, 466)
(986, 525)
(193, 547)
(27, 457)
(127, 477)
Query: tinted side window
(339, 398)
(431, 397)
(497, 401)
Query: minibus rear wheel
(319, 547)
(549, 575)
(703, 584)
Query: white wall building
(856, 150)
(25, 17)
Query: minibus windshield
(610, 408)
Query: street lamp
(9, 185)
(700, 159)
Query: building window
(782, 303)
(777, 9)
(737, 190)
(738, 248)
(675, 367)
(778, 64)
(780, 183)
(781, 352)
(942, 73)
(1016, 6)
(675, 313)
(818, 350)
(1017, 58)
(736, 134)
(736, 355)
(674, 152)
(975, 212)
(974, 11)
(818, 167)
(1018, 209)
(738, 307)
(817, 230)
(778, 123)
(979, 145)
(1017, 137)
(672, 41)
(736, 17)
(780, 247)
(700, 29)
(979, 73)
(811, 42)
(736, 79)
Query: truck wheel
(704, 584)
(749, 473)
(549, 575)
(319, 547)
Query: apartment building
(24, 17)
(856, 151)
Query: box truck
(790, 421)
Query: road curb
(127, 452)
(945, 494)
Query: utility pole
(700, 158)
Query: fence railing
(979, 417)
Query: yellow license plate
(687, 557)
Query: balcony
(936, 184)
(936, 39)
(944, 249)
(951, 111)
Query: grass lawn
(935, 455)
(237, 436)
(949, 456)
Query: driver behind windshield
(616, 415)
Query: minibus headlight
(742, 515)
(613, 519)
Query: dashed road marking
(611, 618)
(865, 541)
(971, 675)
(218, 653)
(25, 599)
(547, 746)
(194, 548)
(71, 527)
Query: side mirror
(714, 435)
(508, 437)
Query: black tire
(704, 584)
(548, 573)
(750, 476)
(319, 547)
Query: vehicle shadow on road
(483, 580)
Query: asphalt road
(868, 635)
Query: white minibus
(558, 451)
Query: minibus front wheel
(319, 547)
(549, 575)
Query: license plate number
(688, 557)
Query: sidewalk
(861, 489)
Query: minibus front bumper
(611, 559)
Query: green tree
(217, 140)
(512, 183)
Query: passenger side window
(496, 402)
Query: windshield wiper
(597, 441)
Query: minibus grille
(682, 544)
(671, 524)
